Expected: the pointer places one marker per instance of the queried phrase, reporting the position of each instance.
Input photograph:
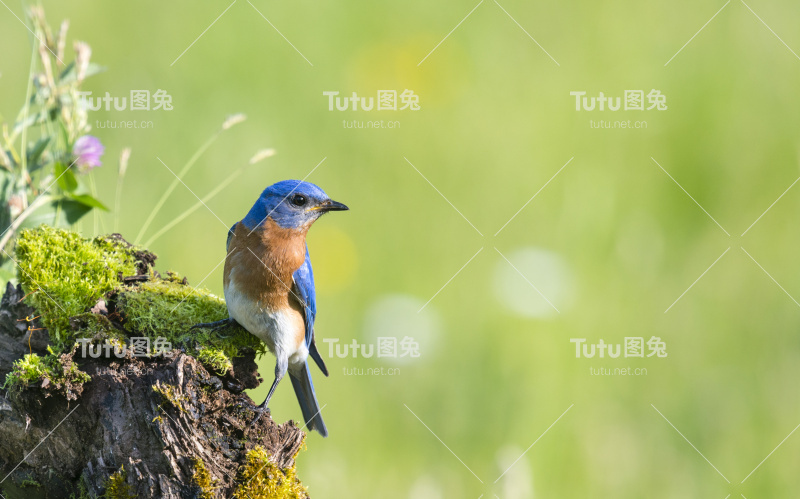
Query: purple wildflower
(87, 151)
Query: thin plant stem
(24, 138)
(189, 164)
(95, 211)
(191, 210)
(118, 201)
(123, 168)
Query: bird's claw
(214, 326)
(260, 410)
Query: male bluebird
(269, 285)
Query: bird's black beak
(331, 205)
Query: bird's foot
(260, 410)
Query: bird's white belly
(274, 327)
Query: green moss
(168, 308)
(216, 359)
(162, 306)
(32, 369)
(29, 482)
(202, 478)
(26, 371)
(171, 395)
(260, 478)
(117, 486)
(64, 274)
(97, 327)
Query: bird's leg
(216, 325)
(281, 365)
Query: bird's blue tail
(304, 389)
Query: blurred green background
(611, 240)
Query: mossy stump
(173, 425)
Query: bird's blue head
(292, 204)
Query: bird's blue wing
(304, 288)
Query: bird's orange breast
(261, 263)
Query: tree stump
(142, 427)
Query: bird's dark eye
(299, 200)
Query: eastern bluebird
(269, 285)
